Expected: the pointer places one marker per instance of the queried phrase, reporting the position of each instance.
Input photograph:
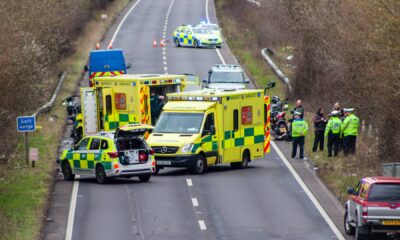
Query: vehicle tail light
(116, 165)
(364, 214)
(153, 163)
(143, 157)
(151, 152)
(113, 154)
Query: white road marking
(189, 182)
(202, 225)
(164, 57)
(165, 63)
(165, 33)
(216, 49)
(195, 202)
(75, 188)
(122, 21)
(309, 193)
(165, 69)
(72, 207)
(293, 172)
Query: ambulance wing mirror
(86, 68)
(270, 84)
(212, 130)
(129, 65)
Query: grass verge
(337, 173)
(24, 190)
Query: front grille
(165, 149)
(210, 40)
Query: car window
(207, 125)
(364, 190)
(104, 144)
(188, 32)
(83, 144)
(388, 192)
(95, 144)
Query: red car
(374, 205)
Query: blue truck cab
(107, 62)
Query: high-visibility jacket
(334, 125)
(299, 128)
(350, 125)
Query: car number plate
(165, 163)
(391, 222)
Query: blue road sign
(26, 124)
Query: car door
(356, 200)
(79, 155)
(189, 37)
(209, 138)
(92, 154)
(181, 36)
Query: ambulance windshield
(179, 122)
(226, 77)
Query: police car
(210, 26)
(124, 153)
(186, 35)
(225, 76)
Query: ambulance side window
(104, 145)
(207, 125)
(235, 120)
(82, 144)
(108, 105)
(94, 144)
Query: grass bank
(24, 191)
(337, 173)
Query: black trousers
(297, 141)
(333, 141)
(349, 143)
(318, 140)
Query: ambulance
(208, 127)
(116, 101)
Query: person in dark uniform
(319, 129)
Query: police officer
(332, 131)
(299, 131)
(350, 131)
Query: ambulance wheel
(67, 171)
(243, 164)
(201, 165)
(101, 176)
(196, 44)
(144, 178)
(177, 44)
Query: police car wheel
(67, 171)
(101, 174)
(177, 44)
(201, 165)
(219, 46)
(196, 44)
(144, 178)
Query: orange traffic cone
(162, 43)
(110, 45)
(98, 45)
(154, 43)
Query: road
(261, 202)
(264, 201)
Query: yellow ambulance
(208, 127)
(116, 101)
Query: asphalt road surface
(263, 201)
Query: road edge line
(122, 22)
(317, 205)
(71, 214)
(216, 49)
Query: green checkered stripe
(119, 120)
(87, 160)
(246, 136)
(207, 143)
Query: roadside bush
(36, 35)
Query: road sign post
(26, 124)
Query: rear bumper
(377, 226)
(186, 161)
(131, 170)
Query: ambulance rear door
(89, 110)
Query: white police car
(225, 76)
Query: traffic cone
(162, 43)
(110, 45)
(154, 43)
(98, 45)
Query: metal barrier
(391, 169)
(281, 75)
